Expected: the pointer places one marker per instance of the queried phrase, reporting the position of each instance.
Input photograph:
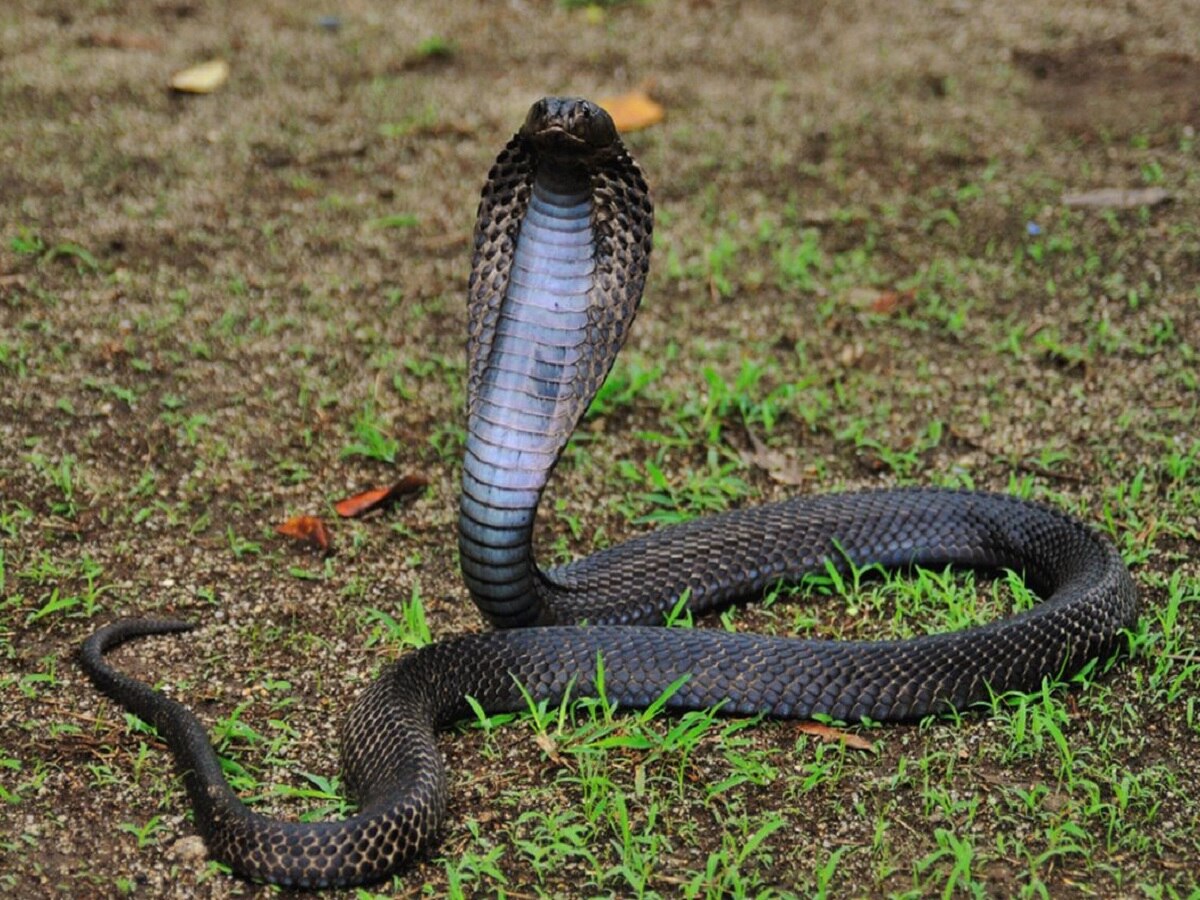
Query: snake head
(570, 127)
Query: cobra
(562, 247)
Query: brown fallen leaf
(549, 747)
(831, 735)
(201, 79)
(782, 469)
(377, 498)
(1116, 198)
(308, 529)
(890, 301)
(633, 110)
(122, 40)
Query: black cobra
(562, 245)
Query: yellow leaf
(202, 79)
(633, 110)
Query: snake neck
(527, 403)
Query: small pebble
(189, 849)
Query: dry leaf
(377, 498)
(202, 79)
(1117, 198)
(890, 301)
(362, 503)
(308, 529)
(122, 40)
(782, 469)
(633, 110)
(830, 735)
(548, 746)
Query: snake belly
(562, 246)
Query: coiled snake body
(562, 246)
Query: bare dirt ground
(200, 297)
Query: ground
(219, 311)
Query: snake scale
(561, 252)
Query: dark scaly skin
(568, 154)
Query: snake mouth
(560, 139)
(557, 130)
